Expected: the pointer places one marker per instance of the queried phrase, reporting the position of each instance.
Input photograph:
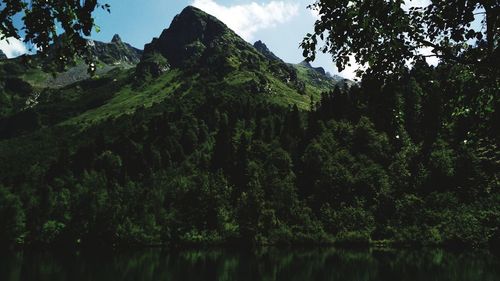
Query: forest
(411, 161)
(208, 141)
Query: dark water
(263, 264)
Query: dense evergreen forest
(414, 160)
(223, 151)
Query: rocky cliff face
(189, 36)
(262, 48)
(115, 52)
(197, 40)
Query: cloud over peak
(247, 19)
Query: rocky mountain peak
(116, 39)
(190, 35)
(196, 24)
(263, 49)
(115, 52)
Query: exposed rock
(115, 52)
(262, 48)
(320, 70)
(192, 35)
(197, 41)
(116, 39)
(2, 55)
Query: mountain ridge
(307, 64)
(194, 38)
(226, 62)
(116, 51)
(196, 44)
(263, 49)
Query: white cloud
(415, 4)
(247, 19)
(13, 47)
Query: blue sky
(281, 24)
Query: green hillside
(208, 139)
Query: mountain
(195, 77)
(308, 65)
(315, 78)
(205, 138)
(322, 71)
(262, 48)
(195, 55)
(39, 72)
(191, 38)
(320, 78)
(199, 43)
(115, 52)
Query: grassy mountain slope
(211, 57)
(38, 71)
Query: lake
(263, 264)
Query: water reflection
(263, 264)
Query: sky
(280, 24)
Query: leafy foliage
(41, 21)
(386, 35)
